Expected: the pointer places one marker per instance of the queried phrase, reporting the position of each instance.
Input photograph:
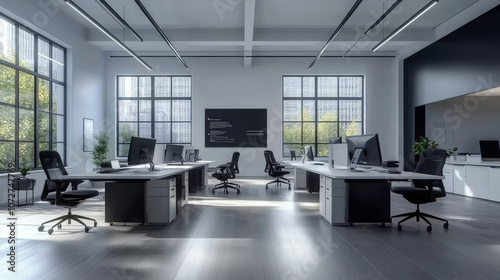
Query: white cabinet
(494, 186)
(161, 201)
(185, 188)
(300, 178)
(459, 178)
(477, 181)
(322, 195)
(448, 178)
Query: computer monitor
(364, 149)
(173, 154)
(308, 154)
(141, 150)
(490, 150)
(189, 155)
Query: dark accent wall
(465, 61)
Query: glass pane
(309, 113)
(292, 86)
(322, 150)
(7, 154)
(7, 85)
(57, 128)
(326, 131)
(292, 110)
(8, 121)
(308, 86)
(351, 110)
(181, 86)
(145, 87)
(295, 147)
(42, 147)
(26, 125)
(43, 126)
(162, 110)
(7, 41)
(181, 110)
(309, 132)
(327, 87)
(57, 99)
(127, 87)
(43, 57)
(58, 64)
(144, 110)
(126, 131)
(181, 132)
(162, 86)
(349, 129)
(26, 50)
(127, 110)
(26, 154)
(327, 110)
(26, 90)
(60, 148)
(145, 130)
(43, 95)
(123, 150)
(162, 133)
(351, 86)
(292, 132)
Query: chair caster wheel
(59, 226)
(267, 187)
(87, 229)
(289, 188)
(110, 224)
(141, 224)
(40, 228)
(400, 227)
(95, 224)
(445, 225)
(226, 191)
(213, 191)
(50, 231)
(238, 192)
(382, 224)
(429, 228)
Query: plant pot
(23, 183)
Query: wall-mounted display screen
(235, 128)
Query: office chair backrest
(234, 163)
(54, 169)
(431, 162)
(271, 158)
(267, 156)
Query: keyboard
(111, 170)
(389, 171)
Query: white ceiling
(275, 27)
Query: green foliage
(126, 132)
(24, 170)
(101, 148)
(422, 144)
(451, 151)
(26, 113)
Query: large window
(32, 95)
(316, 108)
(153, 106)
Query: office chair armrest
(223, 166)
(278, 167)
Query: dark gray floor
(259, 234)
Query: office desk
(355, 197)
(137, 195)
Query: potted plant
(101, 148)
(23, 183)
(452, 152)
(422, 144)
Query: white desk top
(342, 172)
(139, 172)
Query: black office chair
(425, 191)
(54, 170)
(225, 172)
(275, 170)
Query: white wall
(85, 75)
(224, 83)
(462, 121)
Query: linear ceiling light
(349, 14)
(404, 25)
(153, 22)
(103, 30)
(117, 17)
(381, 18)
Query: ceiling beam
(249, 32)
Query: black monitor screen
(173, 153)
(370, 146)
(141, 150)
(490, 150)
(189, 155)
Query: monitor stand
(355, 160)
